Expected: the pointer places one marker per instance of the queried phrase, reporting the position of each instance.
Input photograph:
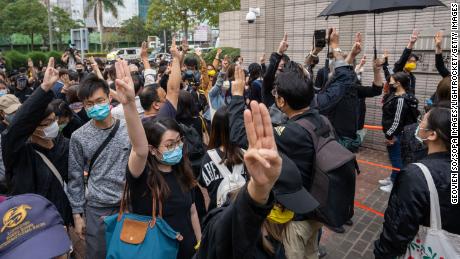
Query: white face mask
(226, 85)
(51, 131)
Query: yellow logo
(15, 216)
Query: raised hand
(144, 54)
(438, 40)
(362, 62)
(174, 50)
(262, 59)
(184, 45)
(239, 83)
(51, 76)
(124, 83)
(385, 54)
(413, 39)
(333, 38)
(284, 45)
(30, 63)
(261, 159)
(357, 45)
(219, 51)
(198, 52)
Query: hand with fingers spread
(261, 159)
(51, 76)
(124, 83)
(438, 41)
(413, 39)
(283, 47)
(239, 83)
(144, 54)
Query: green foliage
(28, 17)
(16, 59)
(212, 9)
(56, 55)
(230, 52)
(134, 30)
(37, 56)
(8, 65)
(63, 23)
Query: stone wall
(229, 29)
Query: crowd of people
(229, 160)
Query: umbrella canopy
(349, 7)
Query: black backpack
(333, 182)
(193, 145)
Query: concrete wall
(299, 19)
(229, 29)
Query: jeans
(394, 153)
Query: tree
(98, 7)
(63, 23)
(18, 17)
(175, 14)
(134, 30)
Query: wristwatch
(337, 50)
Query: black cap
(289, 191)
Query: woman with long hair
(158, 168)
(229, 155)
(255, 82)
(399, 109)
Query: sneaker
(386, 181)
(322, 251)
(386, 188)
(339, 230)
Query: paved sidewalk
(370, 204)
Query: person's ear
(432, 135)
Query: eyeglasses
(100, 101)
(173, 144)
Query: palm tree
(98, 6)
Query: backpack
(333, 181)
(194, 147)
(232, 180)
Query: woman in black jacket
(32, 134)
(399, 109)
(409, 203)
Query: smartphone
(320, 38)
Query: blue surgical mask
(99, 111)
(419, 139)
(172, 157)
(3, 92)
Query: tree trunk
(99, 22)
(186, 25)
(32, 39)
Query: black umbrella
(349, 7)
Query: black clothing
(269, 78)
(83, 116)
(409, 206)
(176, 207)
(23, 95)
(440, 66)
(74, 124)
(397, 112)
(255, 91)
(25, 170)
(321, 78)
(399, 67)
(210, 178)
(412, 150)
(234, 230)
(363, 93)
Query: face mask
(172, 157)
(62, 126)
(51, 131)
(419, 139)
(409, 67)
(279, 216)
(211, 73)
(392, 85)
(79, 71)
(3, 92)
(226, 85)
(99, 111)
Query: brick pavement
(357, 241)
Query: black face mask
(80, 71)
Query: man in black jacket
(408, 61)
(293, 94)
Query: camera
(251, 17)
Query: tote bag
(433, 242)
(131, 236)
